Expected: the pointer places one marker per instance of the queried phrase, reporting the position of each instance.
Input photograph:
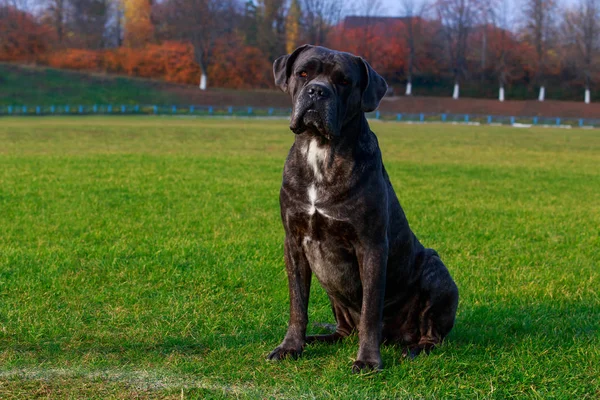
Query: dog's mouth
(311, 121)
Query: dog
(343, 221)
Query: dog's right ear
(282, 67)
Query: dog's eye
(344, 82)
(303, 74)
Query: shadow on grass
(549, 323)
(504, 326)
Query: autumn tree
(22, 38)
(56, 13)
(200, 22)
(501, 43)
(582, 30)
(458, 18)
(249, 23)
(116, 33)
(271, 27)
(319, 16)
(292, 26)
(88, 22)
(138, 26)
(540, 31)
(413, 22)
(368, 11)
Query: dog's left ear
(282, 67)
(374, 88)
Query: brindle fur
(343, 221)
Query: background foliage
(435, 44)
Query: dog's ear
(374, 88)
(282, 67)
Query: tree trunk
(408, 88)
(587, 96)
(456, 91)
(501, 93)
(201, 62)
(202, 80)
(542, 94)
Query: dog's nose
(318, 91)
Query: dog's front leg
(299, 276)
(373, 273)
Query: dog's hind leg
(344, 327)
(439, 300)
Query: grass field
(33, 86)
(143, 258)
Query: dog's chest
(327, 237)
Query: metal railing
(192, 110)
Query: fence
(285, 112)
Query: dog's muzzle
(315, 111)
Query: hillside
(26, 85)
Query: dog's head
(328, 88)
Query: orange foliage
(138, 26)
(21, 37)
(79, 59)
(385, 46)
(381, 44)
(234, 66)
(238, 66)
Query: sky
(392, 7)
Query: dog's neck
(330, 159)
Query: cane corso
(343, 221)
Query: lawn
(143, 258)
(38, 86)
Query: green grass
(140, 257)
(31, 86)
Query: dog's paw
(412, 352)
(366, 366)
(281, 353)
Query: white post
(203, 81)
(501, 94)
(587, 96)
(542, 93)
(456, 90)
(408, 89)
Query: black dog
(343, 221)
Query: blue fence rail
(194, 110)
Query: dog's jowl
(343, 221)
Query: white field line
(137, 379)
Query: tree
(368, 10)
(201, 23)
(413, 21)
(249, 23)
(458, 18)
(271, 27)
(138, 26)
(501, 42)
(22, 38)
(88, 22)
(292, 26)
(540, 31)
(57, 17)
(319, 17)
(582, 29)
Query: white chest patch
(312, 198)
(312, 207)
(315, 157)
